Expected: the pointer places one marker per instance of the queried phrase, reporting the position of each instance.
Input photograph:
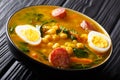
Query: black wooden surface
(105, 12)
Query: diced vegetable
(34, 54)
(81, 60)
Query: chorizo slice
(59, 12)
(87, 26)
(59, 58)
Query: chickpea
(44, 50)
(48, 37)
(79, 45)
(71, 45)
(51, 31)
(55, 45)
(62, 46)
(69, 50)
(67, 43)
(55, 37)
(74, 41)
(50, 44)
(55, 27)
(84, 37)
(45, 40)
(63, 35)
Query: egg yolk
(31, 35)
(99, 42)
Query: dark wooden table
(105, 12)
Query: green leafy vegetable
(47, 21)
(44, 57)
(80, 53)
(37, 17)
(90, 52)
(34, 16)
(58, 31)
(98, 60)
(23, 47)
(73, 37)
(67, 32)
(79, 66)
(43, 23)
(73, 31)
(12, 29)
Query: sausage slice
(87, 26)
(59, 12)
(59, 58)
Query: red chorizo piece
(59, 12)
(87, 26)
(59, 58)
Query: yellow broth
(71, 22)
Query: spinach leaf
(12, 29)
(90, 52)
(73, 37)
(38, 16)
(98, 60)
(79, 66)
(44, 57)
(34, 16)
(47, 21)
(23, 47)
(73, 31)
(67, 32)
(43, 23)
(58, 31)
(80, 53)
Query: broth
(58, 33)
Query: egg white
(98, 49)
(19, 29)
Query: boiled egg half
(29, 34)
(98, 41)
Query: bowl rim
(80, 13)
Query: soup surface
(59, 37)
